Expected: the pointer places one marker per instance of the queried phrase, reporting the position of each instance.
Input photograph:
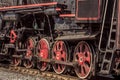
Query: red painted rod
(67, 15)
(28, 6)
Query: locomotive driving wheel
(84, 57)
(43, 53)
(16, 61)
(59, 53)
(30, 44)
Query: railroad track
(48, 75)
(36, 73)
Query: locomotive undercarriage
(36, 39)
(30, 46)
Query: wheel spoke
(86, 48)
(79, 69)
(80, 55)
(16, 61)
(82, 71)
(43, 45)
(87, 59)
(55, 48)
(63, 55)
(58, 46)
(61, 46)
(44, 64)
(86, 67)
(61, 66)
(87, 56)
(30, 43)
(59, 69)
(77, 56)
(81, 48)
(28, 63)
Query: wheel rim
(83, 56)
(43, 53)
(59, 53)
(28, 63)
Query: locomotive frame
(54, 33)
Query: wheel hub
(81, 59)
(43, 54)
(58, 55)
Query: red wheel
(16, 61)
(59, 53)
(43, 52)
(83, 56)
(30, 44)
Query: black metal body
(93, 21)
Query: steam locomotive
(62, 34)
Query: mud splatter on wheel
(30, 44)
(59, 53)
(83, 55)
(43, 53)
